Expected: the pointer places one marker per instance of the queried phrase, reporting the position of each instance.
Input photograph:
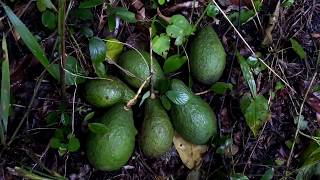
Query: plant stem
(61, 32)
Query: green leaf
(279, 86)
(124, 14)
(87, 32)
(97, 49)
(90, 4)
(30, 41)
(42, 5)
(244, 103)
(49, 20)
(287, 3)
(212, 10)
(238, 176)
(164, 85)
(298, 48)
(55, 143)
(161, 2)
(111, 22)
(268, 175)
(89, 116)
(165, 102)
(257, 114)
(83, 14)
(221, 87)
(161, 45)
(74, 72)
(178, 98)
(114, 48)
(100, 69)
(65, 119)
(247, 74)
(179, 28)
(144, 97)
(5, 91)
(73, 144)
(173, 63)
(52, 117)
(98, 128)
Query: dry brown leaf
(271, 24)
(190, 154)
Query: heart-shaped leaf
(179, 28)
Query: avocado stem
(133, 101)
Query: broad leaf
(221, 87)
(97, 49)
(55, 143)
(161, 2)
(124, 14)
(161, 45)
(5, 91)
(179, 28)
(247, 74)
(268, 175)
(298, 48)
(100, 69)
(30, 41)
(111, 22)
(90, 3)
(178, 98)
(212, 10)
(173, 63)
(42, 5)
(238, 176)
(257, 113)
(49, 20)
(73, 144)
(98, 128)
(114, 48)
(89, 116)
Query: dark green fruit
(107, 92)
(111, 150)
(157, 131)
(194, 121)
(139, 67)
(207, 57)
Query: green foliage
(144, 97)
(287, 3)
(279, 86)
(73, 144)
(97, 49)
(173, 63)
(42, 5)
(179, 28)
(49, 20)
(298, 48)
(221, 87)
(256, 112)
(161, 45)
(83, 14)
(5, 91)
(90, 3)
(212, 10)
(238, 176)
(98, 128)
(161, 2)
(268, 175)
(245, 15)
(247, 74)
(124, 14)
(30, 41)
(165, 102)
(114, 48)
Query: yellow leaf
(190, 154)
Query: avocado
(207, 56)
(111, 150)
(194, 121)
(104, 93)
(157, 131)
(139, 66)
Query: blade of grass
(29, 40)
(5, 91)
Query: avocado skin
(194, 121)
(104, 93)
(133, 62)
(112, 150)
(157, 131)
(207, 56)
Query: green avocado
(194, 121)
(107, 92)
(111, 150)
(157, 131)
(139, 66)
(207, 56)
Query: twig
(299, 119)
(251, 50)
(61, 32)
(134, 100)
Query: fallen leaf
(190, 154)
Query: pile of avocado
(194, 120)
